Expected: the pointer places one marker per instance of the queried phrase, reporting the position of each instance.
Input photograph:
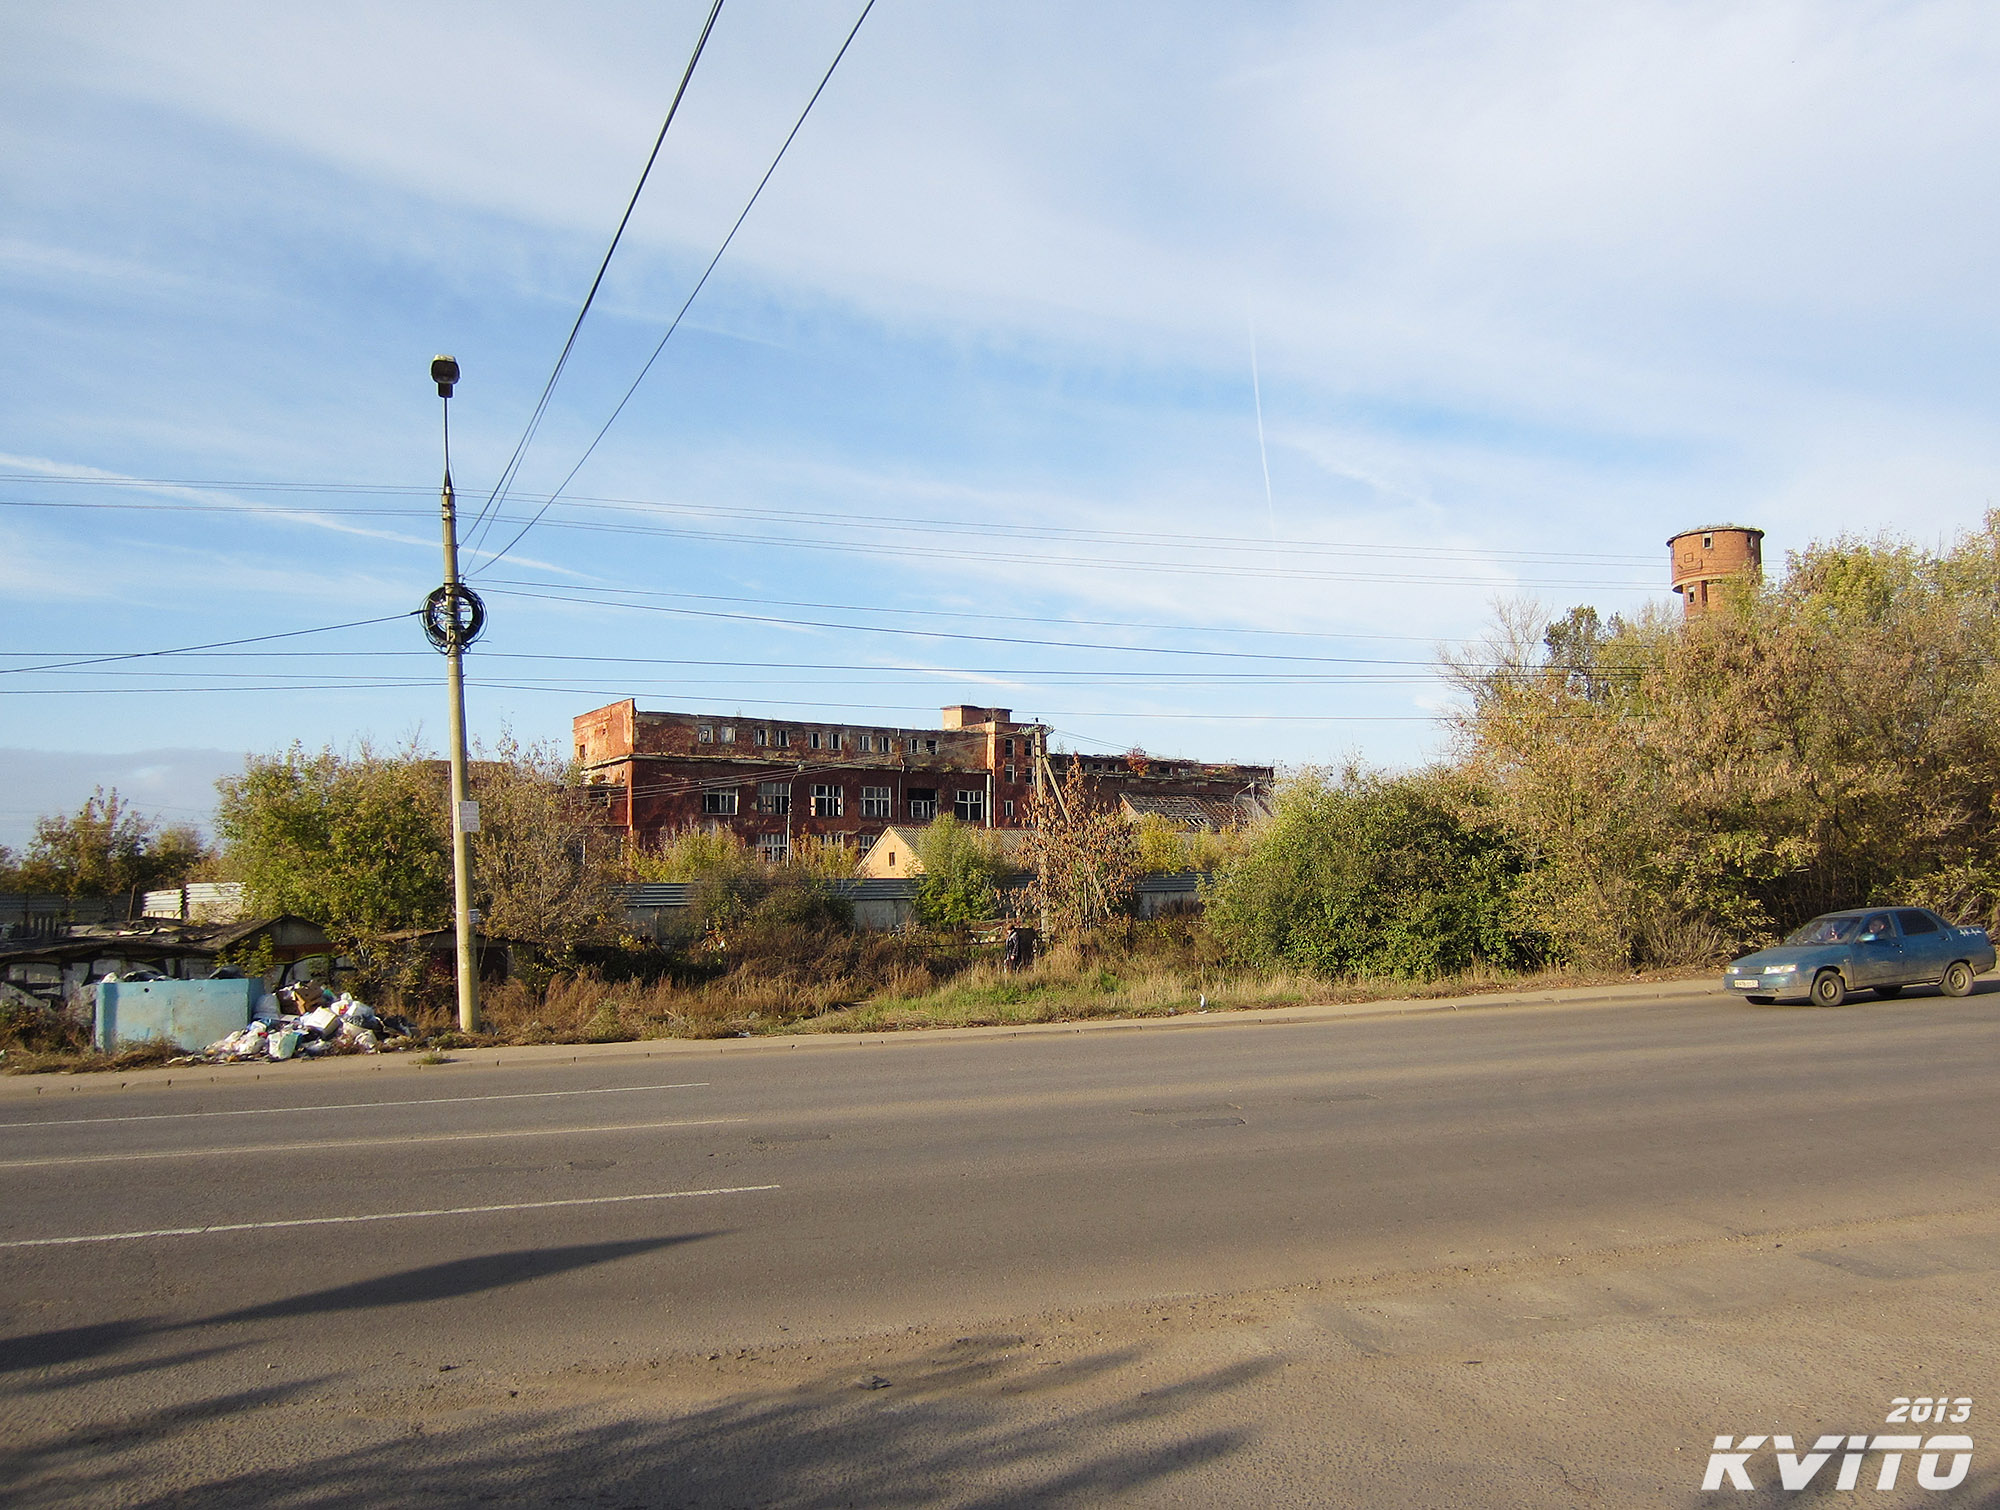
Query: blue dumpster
(190, 1014)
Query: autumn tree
(359, 843)
(1082, 854)
(542, 871)
(1811, 742)
(106, 848)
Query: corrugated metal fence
(26, 916)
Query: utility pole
(453, 618)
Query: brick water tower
(1711, 554)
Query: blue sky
(1529, 286)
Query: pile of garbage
(306, 1021)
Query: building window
(814, 738)
(726, 734)
(705, 734)
(923, 802)
(930, 747)
(833, 741)
(875, 802)
(774, 797)
(828, 802)
(773, 849)
(969, 807)
(721, 804)
(784, 739)
(1010, 773)
(763, 736)
(1010, 746)
(1007, 807)
(1708, 542)
(867, 743)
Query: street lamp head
(444, 372)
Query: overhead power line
(513, 466)
(935, 634)
(700, 283)
(255, 639)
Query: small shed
(295, 947)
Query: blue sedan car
(1882, 950)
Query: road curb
(1632, 994)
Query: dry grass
(1065, 985)
(72, 1061)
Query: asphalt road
(1509, 1255)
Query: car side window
(1915, 922)
(1878, 924)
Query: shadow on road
(450, 1281)
(446, 1281)
(979, 1424)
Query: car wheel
(1760, 1001)
(1888, 993)
(1957, 979)
(1828, 989)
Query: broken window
(774, 849)
(930, 747)
(705, 734)
(1010, 773)
(829, 802)
(1007, 807)
(762, 736)
(913, 744)
(774, 797)
(784, 738)
(923, 802)
(875, 802)
(833, 741)
(969, 807)
(721, 803)
(726, 734)
(1010, 745)
(814, 737)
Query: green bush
(1372, 875)
(956, 886)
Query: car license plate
(1746, 985)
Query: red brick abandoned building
(777, 781)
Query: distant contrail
(1257, 393)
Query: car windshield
(1833, 930)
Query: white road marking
(348, 1106)
(236, 1151)
(376, 1216)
